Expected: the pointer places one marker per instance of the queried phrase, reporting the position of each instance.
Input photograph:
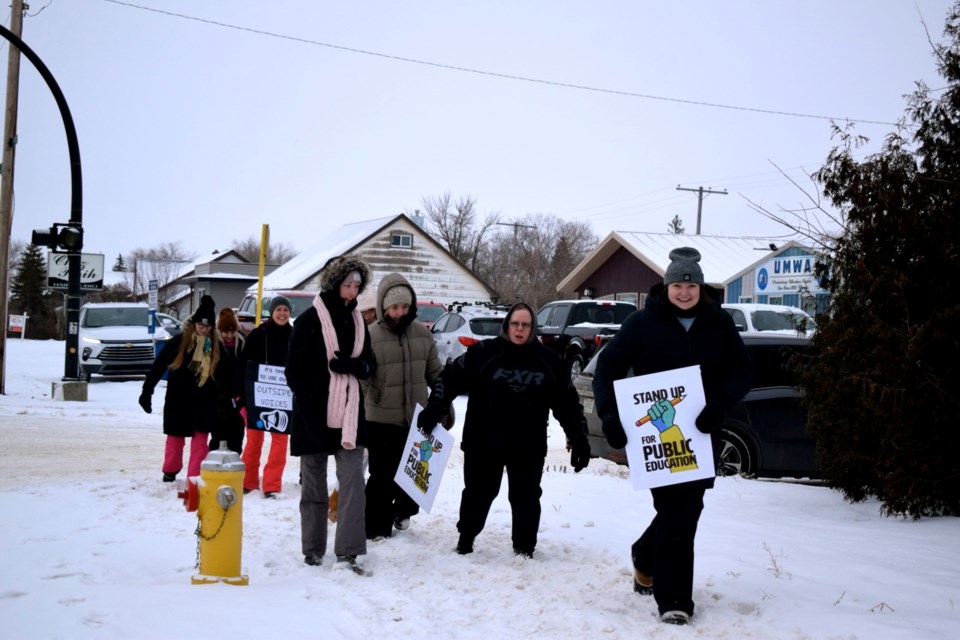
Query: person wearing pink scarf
(329, 354)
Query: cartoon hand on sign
(662, 414)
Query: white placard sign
(659, 412)
(424, 460)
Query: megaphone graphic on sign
(273, 421)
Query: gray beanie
(399, 294)
(277, 301)
(683, 267)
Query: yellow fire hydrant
(220, 518)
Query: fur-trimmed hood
(336, 270)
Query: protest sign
(269, 399)
(659, 412)
(424, 460)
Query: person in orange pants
(267, 344)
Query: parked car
(766, 434)
(247, 311)
(172, 326)
(463, 326)
(114, 339)
(571, 327)
(428, 312)
(770, 317)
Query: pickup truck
(573, 328)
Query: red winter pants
(276, 461)
(173, 454)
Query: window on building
(401, 240)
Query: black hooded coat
(512, 390)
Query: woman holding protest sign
(407, 364)
(681, 325)
(267, 344)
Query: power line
(506, 76)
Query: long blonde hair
(186, 344)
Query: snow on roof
(722, 257)
(307, 263)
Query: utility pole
(700, 191)
(6, 176)
(516, 225)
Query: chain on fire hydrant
(220, 518)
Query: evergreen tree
(120, 265)
(29, 294)
(883, 390)
(676, 226)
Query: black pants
(482, 475)
(665, 550)
(385, 500)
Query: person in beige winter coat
(407, 364)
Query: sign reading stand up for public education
(659, 412)
(424, 460)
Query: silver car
(463, 326)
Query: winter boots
(351, 563)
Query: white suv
(770, 318)
(115, 340)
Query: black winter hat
(683, 267)
(206, 312)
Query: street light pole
(71, 361)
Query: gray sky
(198, 132)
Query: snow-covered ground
(94, 545)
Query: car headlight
(91, 340)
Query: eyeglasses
(519, 325)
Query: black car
(766, 434)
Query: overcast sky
(199, 122)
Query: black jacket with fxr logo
(512, 390)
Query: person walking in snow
(267, 344)
(190, 361)
(407, 363)
(330, 354)
(231, 415)
(513, 382)
(681, 325)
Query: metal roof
(723, 258)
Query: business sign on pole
(152, 296)
(794, 274)
(91, 271)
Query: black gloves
(580, 456)
(710, 418)
(429, 418)
(145, 400)
(613, 430)
(348, 366)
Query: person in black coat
(513, 382)
(190, 405)
(681, 325)
(330, 353)
(268, 344)
(231, 419)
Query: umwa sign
(91, 271)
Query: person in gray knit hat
(280, 300)
(407, 364)
(684, 267)
(330, 354)
(681, 325)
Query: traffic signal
(60, 237)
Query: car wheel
(83, 376)
(576, 366)
(735, 455)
